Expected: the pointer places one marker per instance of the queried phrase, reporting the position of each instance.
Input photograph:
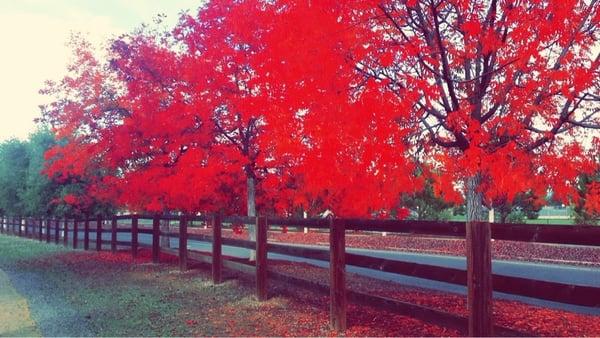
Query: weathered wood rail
(478, 278)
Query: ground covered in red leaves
(293, 312)
(532, 320)
(510, 250)
(186, 304)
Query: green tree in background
(14, 163)
(523, 206)
(39, 193)
(581, 214)
(28, 191)
(425, 205)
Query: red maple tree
(499, 94)
(331, 105)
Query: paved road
(542, 271)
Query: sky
(34, 33)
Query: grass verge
(86, 293)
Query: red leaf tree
(495, 92)
(348, 154)
(330, 105)
(82, 106)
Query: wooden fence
(478, 278)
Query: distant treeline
(26, 191)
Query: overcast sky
(33, 34)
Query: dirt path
(15, 319)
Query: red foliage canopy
(497, 90)
(335, 105)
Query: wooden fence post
(66, 236)
(156, 239)
(217, 263)
(183, 243)
(48, 223)
(75, 232)
(56, 231)
(134, 236)
(479, 279)
(86, 233)
(99, 233)
(20, 225)
(113, 234)
(261, 258)
(337, 274)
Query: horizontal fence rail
(75, 231)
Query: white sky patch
(34, 35)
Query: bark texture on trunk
(479, 262)
(165, 226)
(251, 205)
(475, 210)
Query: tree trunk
(165, 226)
(251, 204)
(475, 210)
(503, 217)
(479, 262)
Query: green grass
(550, 221)
(116, 298)
(461, 218)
